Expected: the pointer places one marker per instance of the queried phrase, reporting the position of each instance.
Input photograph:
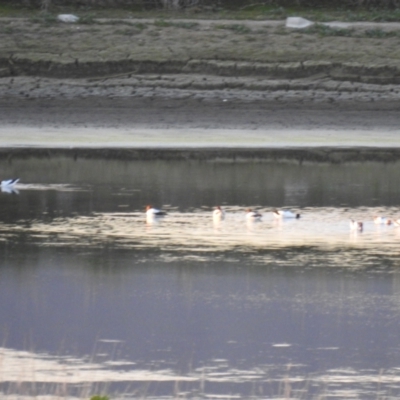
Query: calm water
(97, 300)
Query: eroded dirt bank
(102, 49)
(250, 60)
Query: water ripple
(194, 234)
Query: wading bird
(252, 215)
(356, 225)
(9, 182)
(218, 214)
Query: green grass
(50, 19)
(8, 30)
(380, 34)
(87, 19)
(324, 30)
(127, 31)
(372, 15)
(137, 25)
(251, 11)
(237, 28)
(45, 19)
(317, 14)
(162, 23)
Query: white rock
(69, 18)
(298, 23)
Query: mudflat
(157, 122)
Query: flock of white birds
(219, 213)
(251, 215)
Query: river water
(95, 299)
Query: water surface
(97, 299)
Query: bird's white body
(9, 182)
(396, 222)
(356, 225)
(9, 189)
(154, 212)
(382, 221)
(253, 215)
(154, 215)
(218, 214)
(68, 18)
(285, 214)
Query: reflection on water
(89, 376)
(97, 299)
(194, 233)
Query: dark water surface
(97, 299)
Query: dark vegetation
(217, 3)
(316, 10)
(240, 5)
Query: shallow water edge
(332, 155)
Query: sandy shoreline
(134, 121)
(188, 129)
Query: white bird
(396, 222)
(68, 18)
(253, 215)
(9, 189)
(218, 214)
(285, 214)
(356, 225)
(9, 182)
(382, 221)
(154, 212)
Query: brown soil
(268, 50)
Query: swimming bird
(9, 182)
(154, 212)
(9, 189)
(285, 214)
(218, 214)
(356, 225)
(382, 220)
(252, 215)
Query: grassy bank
(102, 47)
(220, 42)
(250, 11)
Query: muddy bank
(287, 155)
(99, 71)
(221, 110)
(319, 87)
